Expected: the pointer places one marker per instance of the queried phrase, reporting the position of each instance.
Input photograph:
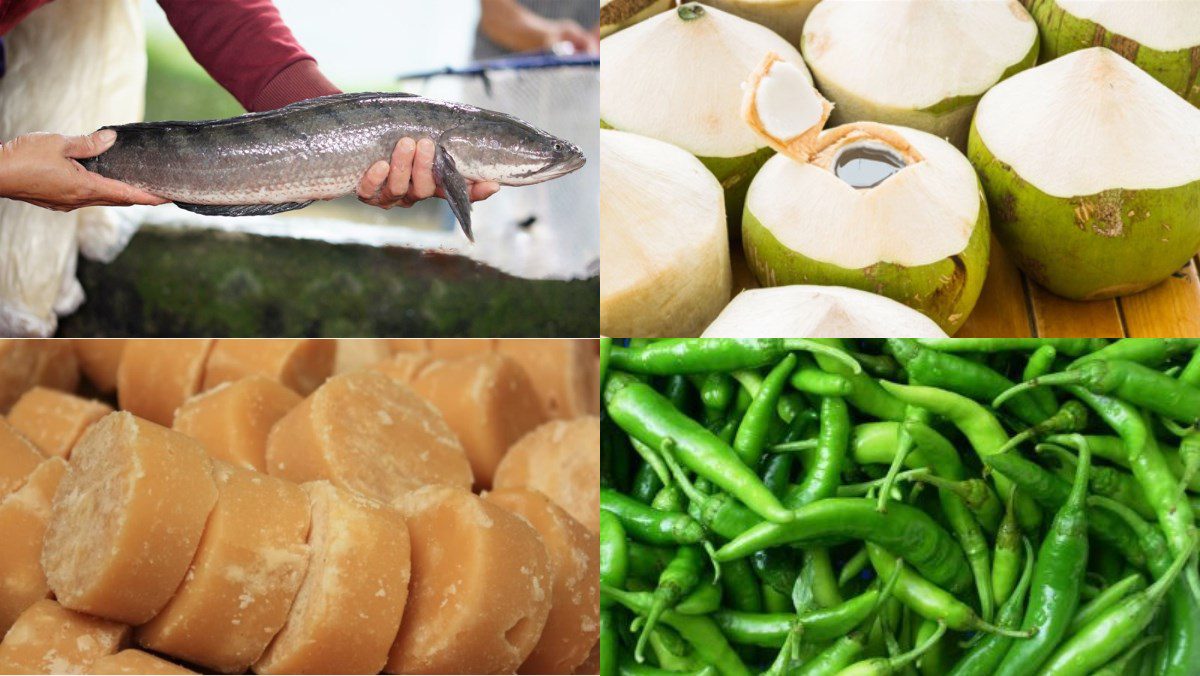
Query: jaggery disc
(232, 420)
(55, 420)
(481, 586)
(23, 518)
(353, 595)
(562, 371)
(354, 354)
(573, 625)
(157, 376)
(26, 363)
(127, 519)
(18, 458)
(50, 639)
(300, 365)
(238, 591)
(365, 432)
(488, 402)
(133, 661)
(99, 359)
(562, 460)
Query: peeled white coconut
(1093, 170)
(664, 249)
(819, 312)
(785, 17)
(890, 210)
(1161, 36)
(677, 77)
(618, 14)
(917, 63)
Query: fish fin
(454, 186)
(242, 209)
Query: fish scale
(319, 149)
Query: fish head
(511, 152)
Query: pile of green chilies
(933, 506)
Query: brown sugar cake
(99, 359)
(157, 376)
(18, 458)
(54, 420)
(238, 591)
(50, 639)
(365, 432)
(232, 420)
(28, 363)
(127, 519)
(573, 625)
(133, 661)
(23, 518)
(562, 460)
(481, 586)
(563, 372)
(299, 365)
(349, 606)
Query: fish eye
(558, 147)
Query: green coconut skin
(734, 174)
(1062, 32)
(949, 119)
(946, 291)
(1113, 243)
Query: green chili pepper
(740, 585)
(1107, 598)
(681, 575)
(885, 666)
(820, 383)
(1139, 385)
(650, 525)
(1146, 351)
(689, 355)
(704, 599)
(614, 551)
(1107, 481)
(823, 624)
(824, 471)
(1054, 594)
(983, 658)
(1006, 562)
(1071, 417)
(1040, 363)
(1068, 346)
(752, 432)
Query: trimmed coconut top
(819, 312)
(1164, 25)
(914, 54)
(1091, 121)
(919, 215)
(676, 77)
(783, 108)
(659, 205)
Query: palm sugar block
(563, 372)
(573, 625)
(127, 519)
(157, 376)
(486, 399)
(133, 661)
(50, 639)
(481, 586)
(18, 458)
(23, 518)
(562, 460)
(54, 420)
(238, 591)
(354, 354)
(348, 610)
(299, 365)
(365, 432)
(99, 359)
(232, 420)
(27, 363)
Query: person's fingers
(107, 191)
(422, 172)
(372, 181)
(483, 190)
(91, 145)
(401, 169)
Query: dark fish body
(319, 149)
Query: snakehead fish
(319, 149)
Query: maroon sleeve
(245, 46)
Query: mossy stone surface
(205, 283)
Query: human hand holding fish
(408, 179)
(41, 169)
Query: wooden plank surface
(1169, 309)
(1002, 311)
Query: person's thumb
(91, 145)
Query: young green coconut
(1161, 37)
(819, 312)
(676, 77)
(1092, 168)
(917, 63)
(785, 17)
(664, 248)
(890, 210)
(618, 14)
